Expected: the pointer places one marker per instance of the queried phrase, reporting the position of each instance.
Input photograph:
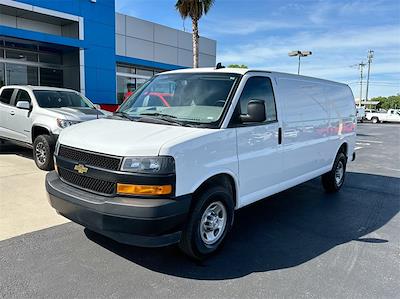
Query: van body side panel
(343, 121)
(318, 118)
(201, 155)
(305, 126)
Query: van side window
(22, 95)
(6, 95)
(259, 88)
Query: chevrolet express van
(155, 174)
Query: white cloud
(329, 43)
(247, 26)
(333, 54)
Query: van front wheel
(209, 222)
(333, 180)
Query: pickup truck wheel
(209, 222)
(375, 120)
(334, 179)
(43, 152)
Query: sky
(260, 33)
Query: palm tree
(194, 9)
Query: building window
(24, 63)
(22, 55)
(19, 74)
(2, 76)
(51, 77)
(52, 58)
(130, 78)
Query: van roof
(242, 71)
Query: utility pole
(370, 56)
(361, 65)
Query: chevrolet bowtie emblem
(81, 168)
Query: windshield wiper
(158, 114)
(123, 115)
(166, 117)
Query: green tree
(391, 102)
(238, 66)
(195, 10)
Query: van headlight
(63, 123)
(148, 165)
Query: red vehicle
(158, 98)
(164, 98)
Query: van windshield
(195, 98)
(60, 98)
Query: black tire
(43, 149)
(330, 180)
(192, 243)
(375, 120)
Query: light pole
(361, 66)
(370, 56)
(300, 54)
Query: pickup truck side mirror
(23, 105)
(255, 112)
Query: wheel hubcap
(40, 153)
(213, 223)
(339, 173)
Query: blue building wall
(99, 43)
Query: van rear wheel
(209, 222)
(333, 180)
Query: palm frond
(193, 8)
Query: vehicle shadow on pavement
(8, 148)
(283, 231)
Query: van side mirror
(23, 105)
(255, 112)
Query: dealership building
(86, 46)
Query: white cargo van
(163, 172)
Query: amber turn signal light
(143, 189)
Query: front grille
(88, 158)
(88, 183)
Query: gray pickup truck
(33, 116)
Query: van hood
(77, 113)
(122, 137)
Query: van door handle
(12, 112)
(280, 136)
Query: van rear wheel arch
(343, 149)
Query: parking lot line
(370, 141)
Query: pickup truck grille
(88, 183)
(89, 158)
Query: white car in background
(392, 115)
(33, 116)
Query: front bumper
(148, 222)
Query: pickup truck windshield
(195, 98)
(58, 99)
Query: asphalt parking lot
(299, 243)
